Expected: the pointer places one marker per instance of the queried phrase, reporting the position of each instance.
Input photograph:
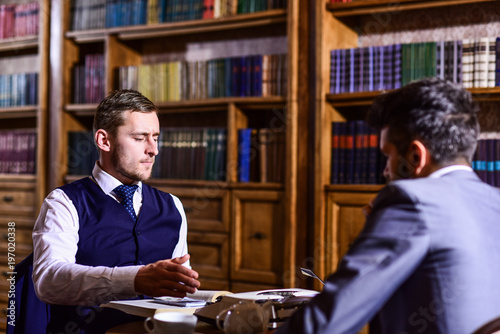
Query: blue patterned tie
(126, 193)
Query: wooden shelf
(86, 110)
(18, 112)
(18, 43)
(367, 7)
(270, 17)
(17, 178)
(361, 99)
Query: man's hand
(166, 278)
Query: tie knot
(126, 192)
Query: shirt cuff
(123, 279)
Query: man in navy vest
(110, 236)
(427, 258)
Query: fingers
(171, 266)
(181, 260)
(166, 278)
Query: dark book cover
(497, 62)
(350, 152)
(335, 149)
(257, 75)
(373, 154)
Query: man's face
(135, 147)
(397, 167)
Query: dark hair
(439, 113)
(109, 113)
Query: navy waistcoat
(108, 236)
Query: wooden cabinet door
(257, 238)
(344, 221)
(209, 255)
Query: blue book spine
(352, 70)
(338, 69)
(257, 75)
(244, 150)
(397, 67)
(332, 71)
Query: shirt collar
(449, 169)
(107, 182)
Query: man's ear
(418, 157)
(102, 140)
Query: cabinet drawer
(20, 222)
(4, 275)
(18, 202)
(206, 209)
(21, 237)
(209, 254)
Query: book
(181, 302)
(148, 307)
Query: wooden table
(138, 328)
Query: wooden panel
(17, 201)
(258, 237)
(207, 208)
(209, 254)
(345, 220)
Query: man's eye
(139, 139)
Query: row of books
(18, 151)
(356, 158)
(486, 161)
(471, 62)
(18, 90)
(88, 80)
(481, 62)
(337, 1)
(191, 153)
(262, 75)
(184, 153)
(98, 14)
(261, 155)
(19, 20)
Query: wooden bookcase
(240, 235)
(21, 195)
(338, 214)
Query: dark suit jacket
(427, 261)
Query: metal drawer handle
(259, 236)
(8, 198)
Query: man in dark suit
(427, 260)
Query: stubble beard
(128, 169)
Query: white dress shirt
(56, 276)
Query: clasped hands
(167, 278)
